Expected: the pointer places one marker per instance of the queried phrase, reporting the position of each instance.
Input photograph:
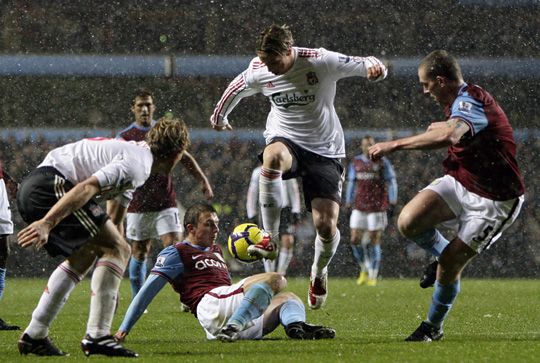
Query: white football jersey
(302, 100)
(120, 166)
(290, 194)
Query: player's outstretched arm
(37, 233)
(194, 169)
(147, 293)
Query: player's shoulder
(256, 64)
(310, 53)
(167, 255)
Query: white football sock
(285, 256)
(60, 284)
(269, 265)
(324, 251)
(270, 200)
(105, 283)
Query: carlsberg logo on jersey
(287, 100)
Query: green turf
(492, 321)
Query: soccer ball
(243, 236)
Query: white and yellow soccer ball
(243, 236)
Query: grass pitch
(491, 321)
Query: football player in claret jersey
(304, 137)
(196, 269)
(57, 199)
(290, 217)
(153, 212)
(372, 194)
(480, 194)
(7, 186)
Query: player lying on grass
(195, 268)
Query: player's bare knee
(274, 156)
(276, 281)
(405, 225)
(325, 227)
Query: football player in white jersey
(303, 134)
(58, 200)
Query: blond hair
(168, 137)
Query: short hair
(276, 39)
(367, 137)
(441, 63)
(194, 212)
(142, 93)
(168, 137)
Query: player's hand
(207, 190)
(36, 234)
(120, 336)
(222, 127)
(375, 69)
(380, 149)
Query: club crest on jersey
(312, 78)
(95, 210)
(464, 107)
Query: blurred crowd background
(492, 29)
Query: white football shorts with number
(480, 221)
(148, 225)
(369, 221)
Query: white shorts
(144, 226)
(371, 221)
(6, 225)
(480, 221)
(217, 306)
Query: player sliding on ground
(249, 309)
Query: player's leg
(105, 282)
(4, 253)
(419, 217)
(452, 261)
(258, 293)
(276, 160)
(59, 286)
(325, 214)
(288, 310)
(357, 228)
(374, 256)
(286, 251)
(137, 264)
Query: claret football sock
(256, 300)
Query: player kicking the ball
(249, 309)
(58, 200)
(303, 134)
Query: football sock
(270, 200)
(324, 251)
(375, 254)
(292, 311)
(137, 275)
(2, 281)
(270, 265)
(441, 302)
(105, 283)
(285, 257)
(432, 241)
(358, 255)
(255, 301)
(59, 287)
